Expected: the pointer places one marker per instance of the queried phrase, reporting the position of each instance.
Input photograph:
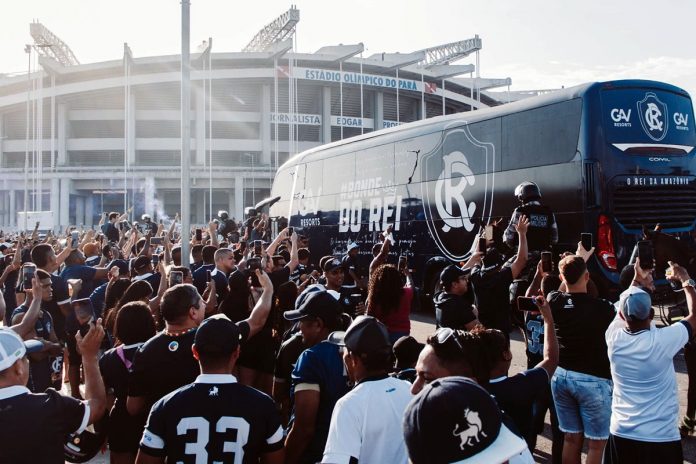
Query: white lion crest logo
(472, 431)
(213, 391)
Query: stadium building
(80, 139)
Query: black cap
(122, 266)
(315, 301)
(331, 264)
(451, 273)
(141, 262)
(217, 336)
(455, 420)
(406, 351)
(366, 335)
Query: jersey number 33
(203, 431)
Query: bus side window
(338, 174)
(541, 136)
(375, 167)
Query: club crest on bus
(653, 116)
(455, 163)
(458, 194)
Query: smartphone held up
(28, 272)
(84, 311)
(529, 304)
(645, 255)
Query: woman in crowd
(133, 327)
(389, 300)
(257, 356)
(114, 292)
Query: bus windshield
(637, 119)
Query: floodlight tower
(276, 31)
(48, 44)
(449, 52)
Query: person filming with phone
(645, 403)
(581, 386)
(491, 280)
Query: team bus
(610, 158)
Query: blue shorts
(583, 403)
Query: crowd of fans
(260, 352)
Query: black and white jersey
(34, 426)
(214, 419)
(165, 363)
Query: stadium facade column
(64, 217)
(238, 198)
(266, 124)
(326, 114)
(201, 198)
(131, 129)
(55, 199)
(89, 210)
(416, 109)
(79, 210)
(200, 127)
(13, 208)
(379, 110)
(6, 209)
(62, 155)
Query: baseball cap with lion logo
(455, 420)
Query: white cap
(12, 347)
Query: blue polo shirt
(322, 366)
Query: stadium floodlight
(449, 52)
(277, 30)
(48, 44)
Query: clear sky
(540, 44)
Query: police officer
(227, 226)
(148, 225)
(542, 231)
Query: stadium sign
(347, 77)
(299, 119)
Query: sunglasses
(448, 338)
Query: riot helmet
(223, 214)
(527, 191)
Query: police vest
(539, 232)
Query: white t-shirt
(645, 405)
(366, 424)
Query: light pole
(185, 131)
(27, 50)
